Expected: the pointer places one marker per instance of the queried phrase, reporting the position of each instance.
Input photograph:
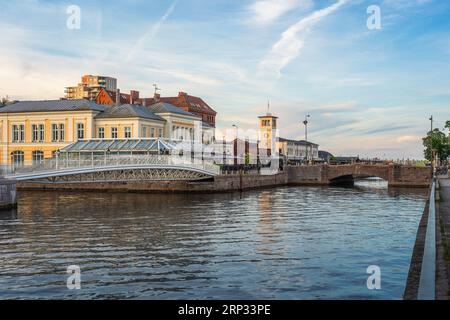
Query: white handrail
(101, 161)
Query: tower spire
(268, 106)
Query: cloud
(404, 139)
(289, 45)
(188, 76)
(267, 11)
(403, 4)
(151, 33)
(385, 129)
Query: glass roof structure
(120, 145)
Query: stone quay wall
(292, 175)
(7, 194)
(221, 183)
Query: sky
(369, 92)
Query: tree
(438, 142)
(4, 100)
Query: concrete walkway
(443, 239)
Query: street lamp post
(258, 161)
(306, 135)
(235, 144)
(57, 158)
(224, 151)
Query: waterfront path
(443, 239)
(430, 264)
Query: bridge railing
(102, 161)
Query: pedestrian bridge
(116, 168)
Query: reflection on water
(284, 243)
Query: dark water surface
(285, 243)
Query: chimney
(157, 97)
(134, 96)
(181, 94)
(117, 97)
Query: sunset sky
(369, 92)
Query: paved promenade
(443, 239)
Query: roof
(298, 142)
(192, 103)
(52, 106)
(207, 125)
(325, 154)
(128, 111)
(184, 101)
(124, 97)
(163, 107)
(268, 115)
(119, 145)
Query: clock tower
(267, 129)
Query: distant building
(325, 156)
(293, 150)
(188, 103)
(90, 86)
(183, 101)
(267, 128)
(109, 97)
(298, 150)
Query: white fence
(113, 161)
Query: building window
(41, 133)
(35, 130)
(160, 133)
(127, 132)
(55, 132)
(144, 132)
(152, 132)
(80, 130)
(114, 133)
(18, 131)
(17, 158)
(62, 132)
(38, 156)
(101, 133)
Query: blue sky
(369, 92)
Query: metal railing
(113, 161)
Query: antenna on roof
(156, 88)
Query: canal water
(284, 243)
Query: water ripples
(285, 243)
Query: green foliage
(247, 158)
(439, 142)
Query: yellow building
(90, 86)
(268, 129)
(33, 130)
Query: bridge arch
(118, 174)
(349, 173)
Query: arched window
(38, 156)
(17, 158)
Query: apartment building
(90, 86)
